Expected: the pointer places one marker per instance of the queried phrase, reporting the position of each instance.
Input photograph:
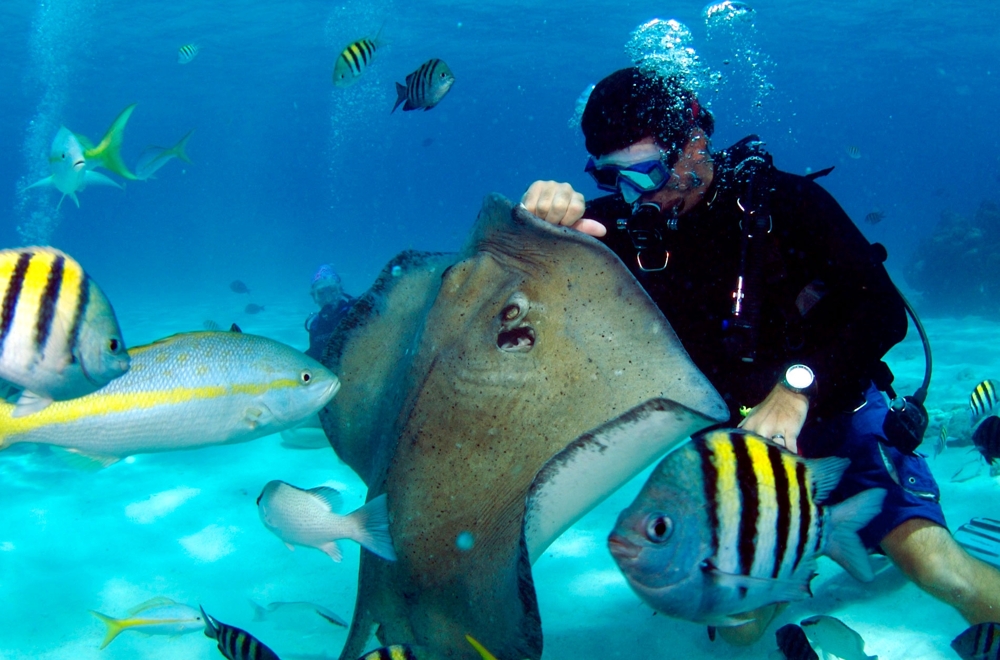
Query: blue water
(290, 172)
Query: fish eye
(305, 377)
(63, 156)
(658, 528)
(114, 345)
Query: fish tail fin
(114, 627)
(843, 544)
(372, 528)
(378, 40)
(108, 151)
(178, 149)
(400, 96)
(259, 613)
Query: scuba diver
(780, 301)
(327, 292)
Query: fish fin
(825, 474)
(290, 546)
(332, 550)
(843, 545)
(252, 417)
(235, 328)
(372, 527)
(92, 178)
(408, 106)
(981, 538)
(108, 151)
(332, 618)
(259, 612)
(427, 107)
(115, 627)
(156, 601)
(781, 590)
(969, 470)
(178, 149)
(47, 181)
(29, 403)
(479, 647)
(329, 496)
(83, 461)
(400, 97)
(211, 631)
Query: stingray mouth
(516, 340)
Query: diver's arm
(559, 204)
(779, 416)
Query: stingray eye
(658, 528)
(305, 377)
(510, 312)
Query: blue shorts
(911, 491)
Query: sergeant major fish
(986, 438)
(309, 518)
(187, 52)
(157, 616)
(234, 643)
(72, 159)
(979, 642)
(59, 338)
(984, 399)
(354, 59)
(186, 391)
(425, 87)
(730, 522)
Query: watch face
(799, 376)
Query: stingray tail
(372, 528)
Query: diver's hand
(559, 204)
(779, 417)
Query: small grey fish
(425, 87)
(875, 217)
(211, 325)
(187, 52)
(237, 286)
(980, 642)
(234, 643)
(253, 308)
(296, 610)
(833, 638)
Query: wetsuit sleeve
(607, 210)
(850, 313)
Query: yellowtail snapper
(190, 390)
(730, 522)
(234, 643)
(425, 87)
(153, 158)
(157, 616)
(187, 52)
(354, 59)
(59, 338)
(984, 398)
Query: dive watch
(800, 379)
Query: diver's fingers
(590, 227)
(554, 202)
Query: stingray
(496, 396)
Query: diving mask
(632, 180)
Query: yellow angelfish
(157, 616)
(73, 157)
(186, 391)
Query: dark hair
(630, 105)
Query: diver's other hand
(779, 417)
(559, 204)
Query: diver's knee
(755, 627)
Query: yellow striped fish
(234, 643)
(187, 52)
(984, 398)
(157, 616)
(186, 391)
(354, 60)
(730, 522)
(59, 338)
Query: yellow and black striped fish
(187, 52)
(354, 60)
(59, 338)
(234, 643)
(425, 87)
(984, 399)
(730, 522)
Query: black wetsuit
(321, 324)
(813, 249)
(825, 301)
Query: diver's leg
(750, 632)
(928, 555)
